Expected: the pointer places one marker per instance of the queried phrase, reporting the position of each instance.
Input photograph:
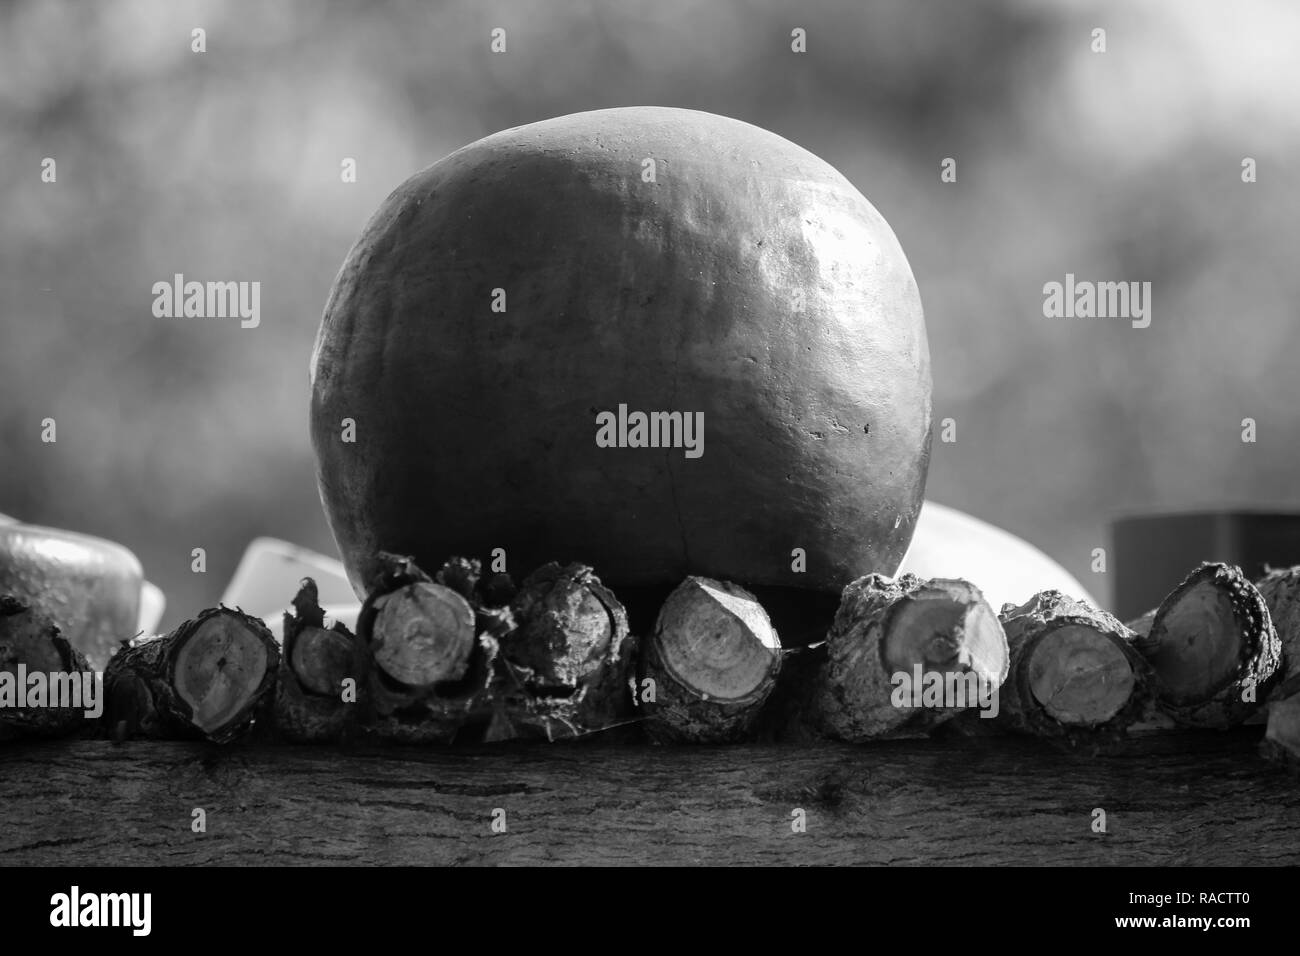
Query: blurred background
(1124, 166)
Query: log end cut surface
(423, 634)
(946, 627)
(1196, 644)
(219, 670)
(322, 660)
(1080, 676)
(715, 638)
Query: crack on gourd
(668, 458)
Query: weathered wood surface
(1187, 798)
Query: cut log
(311, 703)
(1281, 592)
(1212, 648)
(423, 634)
(889, 634)
(1075, 673)
(564, 667)
(206, 678)
(322, 659)
(36, 706)
(424, 671)
(713, 658)
(567, 623)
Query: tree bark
(423, 671)
(1170, 800)
(31, 643)
(1281, 592)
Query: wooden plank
(1199, 798)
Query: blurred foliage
(225, 165)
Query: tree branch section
(465, 658)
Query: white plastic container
(948, 543)
(268, 577)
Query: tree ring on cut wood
(717, 641)
(598, 629)
(219, 670)
(714, 657)
(322, 660)
(1076, 674)
(887, 630)
(945, 626)
(309, 705)
(1078, 677)
(424, 634)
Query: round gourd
(503, 304)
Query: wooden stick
(1212, 648)
(424, 670)
(886, 633)
(423, 634)
(713, 657)
(1074, 674)
(564, 667)
(206, 678)
(311, 702)
(30, 644)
